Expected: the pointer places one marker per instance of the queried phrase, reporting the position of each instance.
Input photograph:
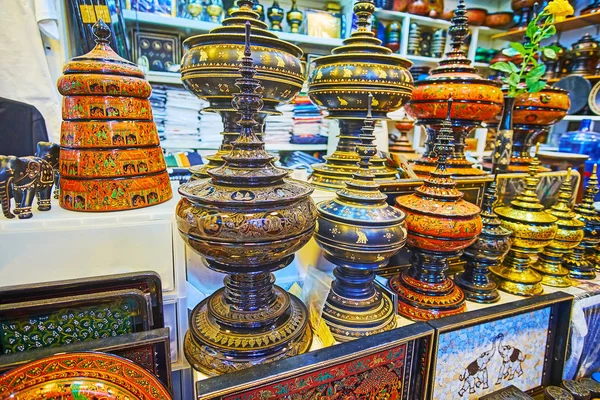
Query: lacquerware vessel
(110, 158)
(440, 226)
(568, 236)
(476, 100)
(401, 145)
(359, 232)
(488, 251)
(535, 113)
(340, 83)
(583, 263)
(247, 221)
(210, 66)
(533, 229)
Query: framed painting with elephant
(521, 343)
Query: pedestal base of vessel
(424, 291)
(343, 163)
(248, 322)
(355, 307)
(549, 265)
(515, 274)
(476, 289)
(230, 133)
(578, 265)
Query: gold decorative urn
(476, 100)
(568, 236)
(210, 66)
(359, 232)
(340, 83)
(247, 221)
(533, 229)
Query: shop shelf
(567, 25)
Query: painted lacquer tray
(81, 376)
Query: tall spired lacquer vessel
(210, 66)
(533, 229)
(440, 224)
(247, 221)
(340, 83)
(359, 232)
(476, 100)
(568, 236)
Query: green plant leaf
(537, 71)
(536, 87)
(556, 49)
(549, 32)
(530, 81)
(502, 66)
(513, 67)
(510, 52)
(549, 53)
(518, 47)
(532, 28)
(513, 79)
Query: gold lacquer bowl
(533, 230)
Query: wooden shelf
(581, 117)
(567, 25)
(164, 77)
(588, 77)
(190, 26)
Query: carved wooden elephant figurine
(23, 178)
(50, 152)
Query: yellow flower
(560, 9)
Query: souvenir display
(275, 15)
(591, 385)
(578, 89)
(247, 221)
(577, 389)
(25, 178)
(488, 251)
(33, 324)
(147, 282)
(391, 365)
(210, 66)
(584, 54)
(419, 72)
(440, 226)
(522, 344)
(584, 267)
(414, 40)
(340, 83)
(426, 42)
(109, 158)
(500, 20)
(532, 229)
(294, 18)
(593, 7)
(259, 9)
(401, 145)
(439, 43)
(553, 65)
(392, 36)
(82, 375)
(568, 236)
(532, 115)
(160, 51)
(148, 349)
(557, 393)
(476, 16)
(349, 227)
(476, 100)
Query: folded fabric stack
(279, 127)
(211, 127)
(182, 119)
(158, 101)
(310, 126)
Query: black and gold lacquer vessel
(582, 263)
(294, 18)
(247, 221)
(210, 67)
(568, 236)
(488, 251)
(359, 232)
(532, 230)
(340, 83)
